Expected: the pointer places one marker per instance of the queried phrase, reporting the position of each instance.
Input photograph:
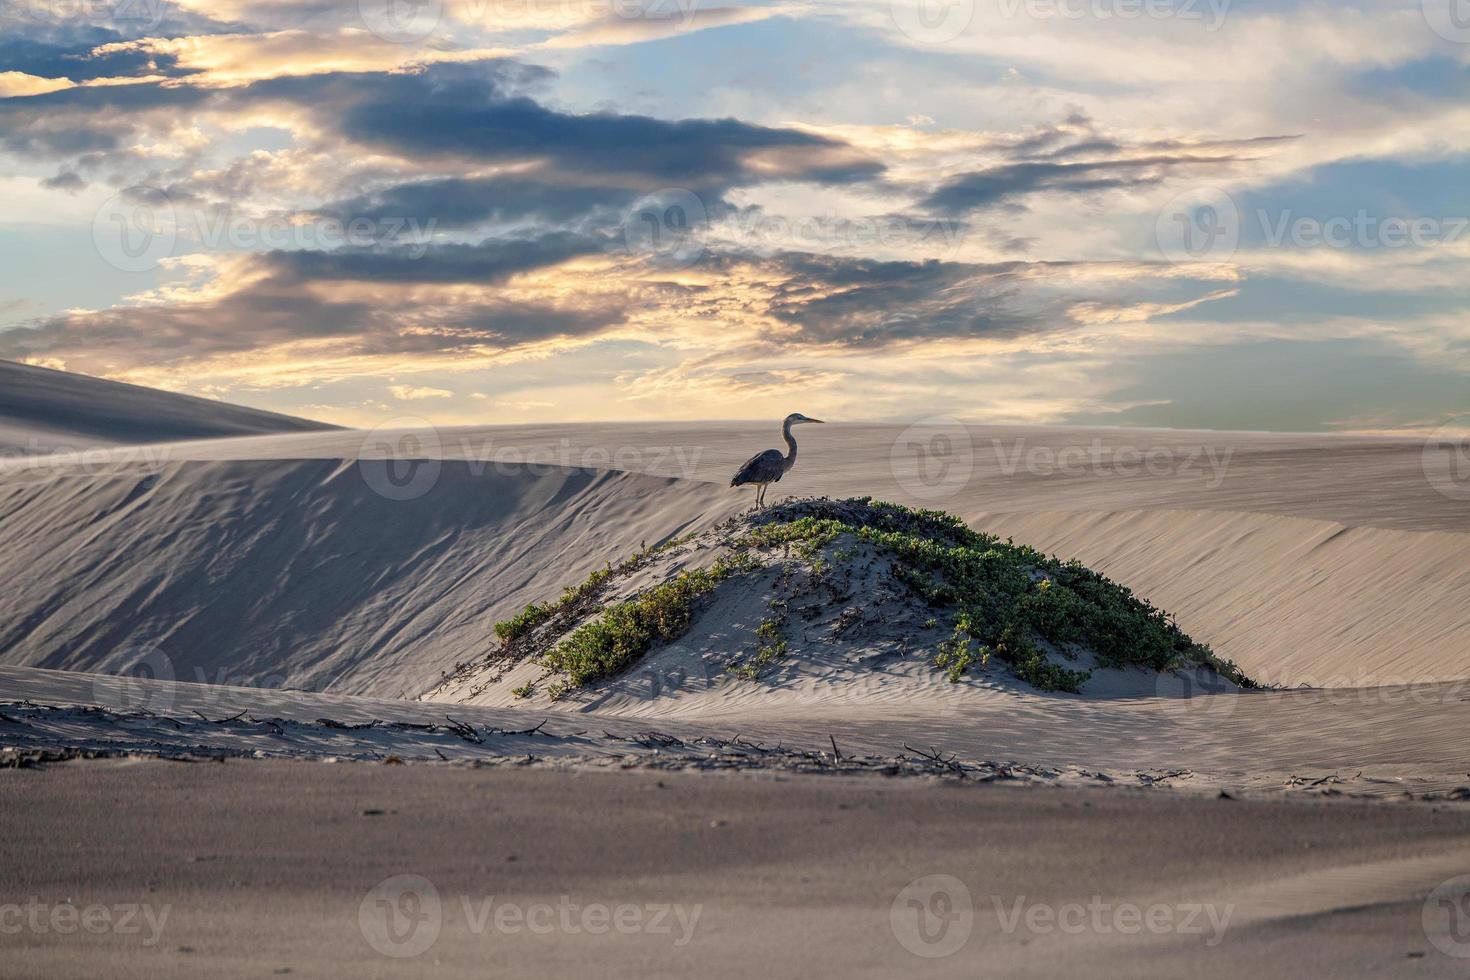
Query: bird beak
(818, 421)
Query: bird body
(763, 469)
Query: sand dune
(297, 573)
(45, 411)
(1329, 561)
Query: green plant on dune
(524, 622)
(627, 630)
(957, 654)
(769, 647)
(1009, 598)
(1003, 600)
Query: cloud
(269, 312)
(662, 24)
(66, 180)
(13, 83)
(479, 113)
(413, 393)
(224, 59)
(465, 202)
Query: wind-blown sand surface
(253, 869)
(309, 561)
(1327, 561)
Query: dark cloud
(278, 311)
(75, 121)
(466, 202)
(1073, 157)
(457, 113)
(490, 261)
(480, 112)
(66, 180)
(1009, 182)
(867, 303)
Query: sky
(1232, 214)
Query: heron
(768, 467)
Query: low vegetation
(997, 599)
(626, 631)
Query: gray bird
(768, 467)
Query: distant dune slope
(298, 573)
(48, 411)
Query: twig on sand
(524, 731)
(222, 721)
(835, 753)
(346, 726)
(466, 732)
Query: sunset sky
(1193, 213)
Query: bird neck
(786, 432)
